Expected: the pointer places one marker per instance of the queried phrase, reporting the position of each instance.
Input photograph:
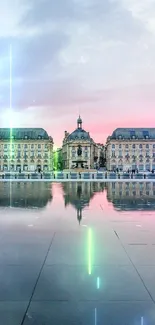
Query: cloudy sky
(68, 56)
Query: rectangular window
(132, 134)
(141, 167)
(32, 146)
(147, 167)
(146, 134)
(25, 145)
(39, 146)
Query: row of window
(24, 146)
(135, 185)
(126, 154)
(75, 155)
(140, 167)
(134, 193)
(133, 146)
(75, 148)
(22, 156)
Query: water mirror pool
(77, 253)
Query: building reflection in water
(79, 195)
(131, 196)
(25, 195)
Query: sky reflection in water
(104, 231)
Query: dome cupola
(79, 123)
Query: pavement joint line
(134, 266)
(26, 312)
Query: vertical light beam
(98, 283)
(89, 251)
(142, 320)
(10, 116)
(95, 316)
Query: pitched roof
(137, 133)
(22, 133)
(79, 134)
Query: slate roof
(137, 133)
(21, 133)
(79, 134)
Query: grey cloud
(108, 18)
(41, 11)
(32, 54)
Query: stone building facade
(79, 138)
(131, 149)
(25, 149)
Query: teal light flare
(89, 251)
(98, 283)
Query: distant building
(57, 159)
(101, 155)
(25, 149)
(131, 149)
(79, 140)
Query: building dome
(79, 120)
(79, 133)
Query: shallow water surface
(77, 253)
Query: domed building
(79, 150)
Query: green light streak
(89, 251)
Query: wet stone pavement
(77, 253)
